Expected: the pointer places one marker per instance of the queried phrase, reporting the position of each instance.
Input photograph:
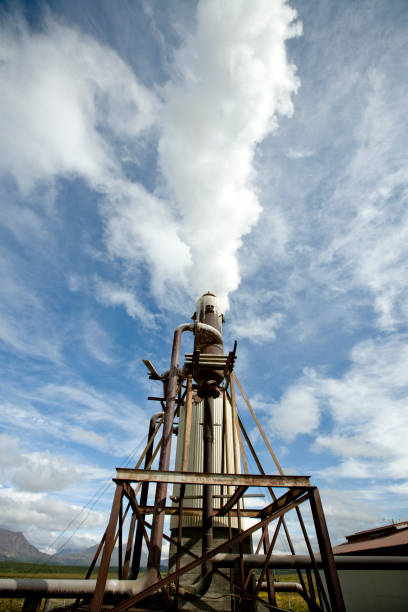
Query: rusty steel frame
(270, 580)
(233, 487)
(288, 501)
(133, 484)
(230, 383)
(259, 466)
(299, 490)
(137, 549)
(197, 562)
(201, 478)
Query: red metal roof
(387, 536)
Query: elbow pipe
(197, 589)
(156, 538)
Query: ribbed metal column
(195, 458)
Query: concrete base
(218, 596)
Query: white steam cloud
(233, 79)
(71, 107)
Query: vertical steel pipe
(156, 539)
(208, 437)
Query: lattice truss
(283, 494)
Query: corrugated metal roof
(377, 532)
(396, 539)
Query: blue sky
(153, 151)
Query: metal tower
(212, 564)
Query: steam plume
(232, 79)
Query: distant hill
(15, 547)
(84, 556)
(70, 556)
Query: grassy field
(13, 569)
(289, 601)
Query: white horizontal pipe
(304, 561)
(59, 587)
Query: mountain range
(14, 546)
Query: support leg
(32, 604)
(129, 546)
(326, 552)
(97, 599)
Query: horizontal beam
(204, 357)
(174, 510)
(200, 478)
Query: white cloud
(256, 328)
(70, 104)
(347, 511)
(141, 230)
(348, 468)
(111, 294)
(298, 153)
(74, 412)
(345, 446)
(399, 489)
(59, 88)
(342, 251)
(367, 220)
(114, 295)
(26, 326)
(39, 516)
(74, 282)
(34, 471)
(367, 406)
(92, 405)
(98, 342)
(296, 413)
(22, 221)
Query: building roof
(385, 537)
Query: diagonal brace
(232, 501)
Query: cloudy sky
(151, 151)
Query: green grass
(15, 569)
(289, 601)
